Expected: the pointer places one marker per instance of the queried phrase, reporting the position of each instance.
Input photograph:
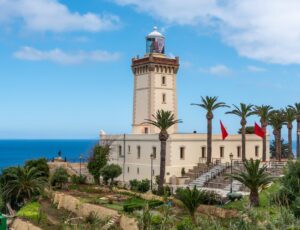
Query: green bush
(41, 165)
(59, 178)
(140, 205)
(140, 186)
(156, 220)
(186, 224)
(81, 179)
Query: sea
(17, 152)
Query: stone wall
(217, 212)
(19, 224)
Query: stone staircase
(112, 222)
(198, 170)
(205, 177)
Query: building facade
(154, 89)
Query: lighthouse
(154, 84)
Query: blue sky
(65, 65)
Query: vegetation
(97, 161)
(41, 165)
(296, 108)
(110, 172)
(163, 120)
(244, 111)
(81, 179)
(59, 178)
(254, 177)
(210, 104)
(140, 186)
(284, 149)
(21, 184)
(264, 112)
(290, 117)
(248, 130)
(30, 211)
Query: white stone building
(154, 89)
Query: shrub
(136, 206)
(133, 184)
(59, 178)
(111, 172)
(140, 186)
(156, 220)
(186, 224)
(41, 165)
(81, 179)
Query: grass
(30, 211)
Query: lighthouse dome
(155, 42)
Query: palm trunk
(290, 129)
(209, 141)
(279, 144)
(163, 136)
(264, 153)
(243, 123)
(193, 217)
(254, 198)
(298, 136)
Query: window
(128, 169)
(239, 151)
(164, 98)
(221, 152)
(120, 151)
(139, 152)
(203, 151)
(154, 152)
(146, 130)
(182, 152)
(163, 80)
(153, 172)
(256, 150)
(138, 170)
(128, 148)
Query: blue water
(16, 152)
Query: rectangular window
(256, 150)
(128, 148)
(139, 152)
(154, 152)
(239, 151)
(138, 170)
(221, 152)
(164, 100)
(182, 153)
(146, 130)
(203, 152)
(128, 169)
(120, 151)
(163, 80)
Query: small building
(138, 153)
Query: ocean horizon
(17, 152)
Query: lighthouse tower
(154, 84)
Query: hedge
(132, 207)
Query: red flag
(259, 131)
(224, 131)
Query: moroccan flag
(259, 131)
(224, 131)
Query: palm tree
(210, 104)
(290, 116)
(23, 183)
(277, 120)
(253, 177)
(163, 120)
(243, 112)
(191, 199)
(263, 112)
(296, 107)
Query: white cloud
(253, 68)
(51, 15)
(219, 70)
(266, 30)
(61, 57)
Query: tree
(277, 120)
(253, 177)
(210, 104)
(290, 116)
(40, 164)
(163, 120)
(264, 112)
(248, 130)
(284, 149)
(296, 107)
(111, 172)
(244, 111)
(191, 198)
(23, 184)
(97, 161)
(59, 178)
